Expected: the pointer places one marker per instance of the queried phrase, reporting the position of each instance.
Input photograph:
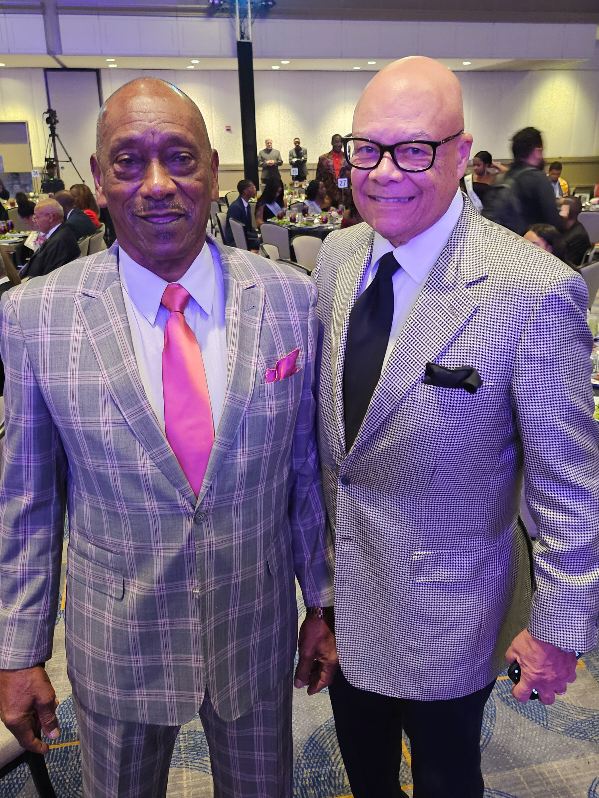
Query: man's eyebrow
(134, 142)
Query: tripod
(51, 155)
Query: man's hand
(318, 659)
(544, 667)
(28, 706)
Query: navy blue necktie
(367, 340)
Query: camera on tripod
(50, 117)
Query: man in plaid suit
(482, 377)
(176, 602)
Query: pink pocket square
(285, 367)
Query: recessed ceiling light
(112, 66)
(1, 65)
(372, 63)
(191, 66)
(275, 66)
(111, 59)
(195, 61)
(466, 63)
(285, 62)
(356, 67)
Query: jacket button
(345, 481)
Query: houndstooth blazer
(166, 596)
(432, 565)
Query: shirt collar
(418, 256)
(145, 288)
(53, 230)
(245, 202)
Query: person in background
(86, 202)
(351, 215)
(161, 394)
(558, 184)
(60, 242)
(549, 238)
(4, 195)
(484, 174)
(51, 184)
(330, 168)
(25, 206)
(9, 277)
(271, 202)
(269, 161)
(454, 357)
(576, 237)
(298, 159)
(79, 222)
(315, 196)
(239, 210)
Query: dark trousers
(444, 740)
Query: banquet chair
(238, 234)
(230, 197)
(590, 221)
(279, 236)
(84, 245)
(12, 755)
(269, 251)
(20, 224)
(221, 220)
(306, 250)
(590, 274)
(96, 241)
(214, 209)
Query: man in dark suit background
(240, 211)
(60, 246)
(79, 222)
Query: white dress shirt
(416, 259)
(205, 314)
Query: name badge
(342, 182)
(294, 171)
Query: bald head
(414, 108)
(48, 213)
(157, 91)
(66, 200)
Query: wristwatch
(327, 614)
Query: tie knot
(387, 266)
(175, 298)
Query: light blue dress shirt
(205, 314)
(416, 259)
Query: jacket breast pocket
(280, 388)
(95, 575)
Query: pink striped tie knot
(187, 410)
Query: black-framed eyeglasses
(409, 156)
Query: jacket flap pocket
(95, 575)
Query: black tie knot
(387, 267)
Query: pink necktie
(187, 412)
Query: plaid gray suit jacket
(432, 565)
(166, 596)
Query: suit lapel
(244, 307)
(102, 311)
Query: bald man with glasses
(454, 360)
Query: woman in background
(549, 238)
(85, 201)
(484, 173)
(271, 202)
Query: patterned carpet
(529, 751)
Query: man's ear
(97, 174)
(464, 147)
(214, 162)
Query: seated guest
(60, 245)
(74, 217)
(271, 202)
(315, 196)
(575, 237)
(549, 238)
(239, 210)
(4, 194)
(558, 184)
(85, 201)
(351, 215)
(25, 207)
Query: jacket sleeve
(312, 543)
(554, 406)
(32, 508)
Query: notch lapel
(101, 309)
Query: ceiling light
(372, 63)
(275, 66)
(112, 66)
(285, 62)
(111, 59)
(1, 65)
(191, 66)
(356, 67)
(195, 61)
(466, 63)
